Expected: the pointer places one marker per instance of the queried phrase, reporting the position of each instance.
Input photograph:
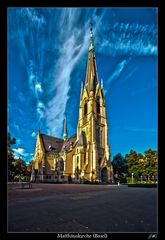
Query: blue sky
(47, 58)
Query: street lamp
(132, 177)
(141, 178)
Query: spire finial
(39, 130)
(91, 37)
(65, 130)
(91, 25)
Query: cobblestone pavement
(81, 208)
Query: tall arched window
(61, 165)
(98, 104)
(100, 137)
(85, 108)
(84, 157)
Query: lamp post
(54, 168)
(141, 178)
(132, 177)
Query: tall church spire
(91, 39)
(65, 130)
(91, 73)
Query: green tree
(10, 153)
(17, 168)
(150, 164)
(134, 162)
(142, 165)
(20, 169)
(119, 168)
(29, 169)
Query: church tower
(92, 155)
(84, 156)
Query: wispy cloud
(116, 74)
(70, 53)
(22, 153)
(16, 126)
(33, 134)
(18, 141)
(40, 109)
(33, 16)
(136, 129)
(129, 39)
(49, 78)
(38, 88)
(130, 74)
(120, 67)
(29, 25)
(21, 97)
(151, 85)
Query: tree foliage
(119, 168)
(142, 165)
(17, 168)
(29, 169)
(10, 154)
(133, 160)
(150, 163)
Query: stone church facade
(84, 156)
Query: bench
(26, 185)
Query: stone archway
(104, 175)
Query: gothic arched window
(85, 108)
(98, 104)
(100, 137)
(77, 160)
(61, 165)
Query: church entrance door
(104, 175)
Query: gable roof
(53, 144)
(69, 142)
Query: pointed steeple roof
(65, 130)
(91, 73)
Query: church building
(85, 156)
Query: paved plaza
(81, 208)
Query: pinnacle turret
(91, 73)
(65, 135)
